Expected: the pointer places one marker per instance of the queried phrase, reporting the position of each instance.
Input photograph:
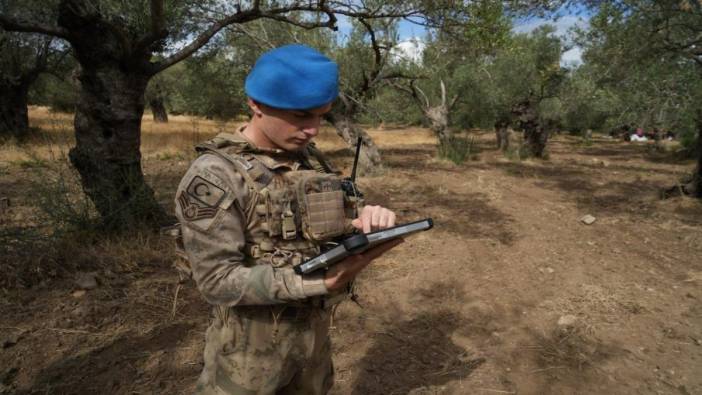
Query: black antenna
(355, 159)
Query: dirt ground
(510, 293)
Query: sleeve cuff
(313, 284)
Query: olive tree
(652, 50)
(24, 58)
(120, 46)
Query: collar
(273, 158)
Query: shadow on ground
(636, 196)
(469, 214)
(119, 365)
(413, 354)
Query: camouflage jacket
(235, 233)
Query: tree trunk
(369, 161)
(438, 122)
(158, 110)
(697, 177)
(14, 120)
(535, 134)
(108, 136)
(535, 137)
(503, 136)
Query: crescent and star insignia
(200, 199)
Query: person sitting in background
(622, 132)
(638, 135)
(654, 134)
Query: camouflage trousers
(267, 350)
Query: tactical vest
(289, 214)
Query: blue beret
(293, 77)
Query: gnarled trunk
(438, 122)
(106, 155)
(535, 133)
(113, 77)
(158, 109)
(369, 160)
(14, 120)
(697, 178)
(535, 138)
(502, 135)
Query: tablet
(358, 243)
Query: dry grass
(55, 137)
(572, 349)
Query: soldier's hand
(374, 218)
(343, 272)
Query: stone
(567, 320)
(79, 293)
(86, 281)
(588, 219)
(11, 340)
(8, 376)
(81, 311)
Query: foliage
(527, 67)
(457, 149)
(641, 66)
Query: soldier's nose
(312, 132)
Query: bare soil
(510, 293)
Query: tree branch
(263, 42)
(158, 32)
(13, 25)
(453, 102)
(157, 17)
(377, 59)
(246, 16)
(416, 90)
(203, 38)
(401, 76)
(443, 93)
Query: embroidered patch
(205, 192)
(200, 199)
(193, 210)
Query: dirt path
(510, 293)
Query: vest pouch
(280, 218)
(321, 206)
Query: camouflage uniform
(242, 229)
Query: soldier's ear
(255, 107)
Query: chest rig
(295, 202)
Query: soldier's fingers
(391, 219)
(387, 219)
(383, 219)
(357, 223)
(366, 215)
(375, 218)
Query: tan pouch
(321, 206)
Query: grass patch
(167, 156)
(458, 149)
(58, 232)
(33, 163)
(585, 141)
(572, 348)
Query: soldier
(256, 202)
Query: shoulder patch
(205, 192)
(200, 199)
(194, 210)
